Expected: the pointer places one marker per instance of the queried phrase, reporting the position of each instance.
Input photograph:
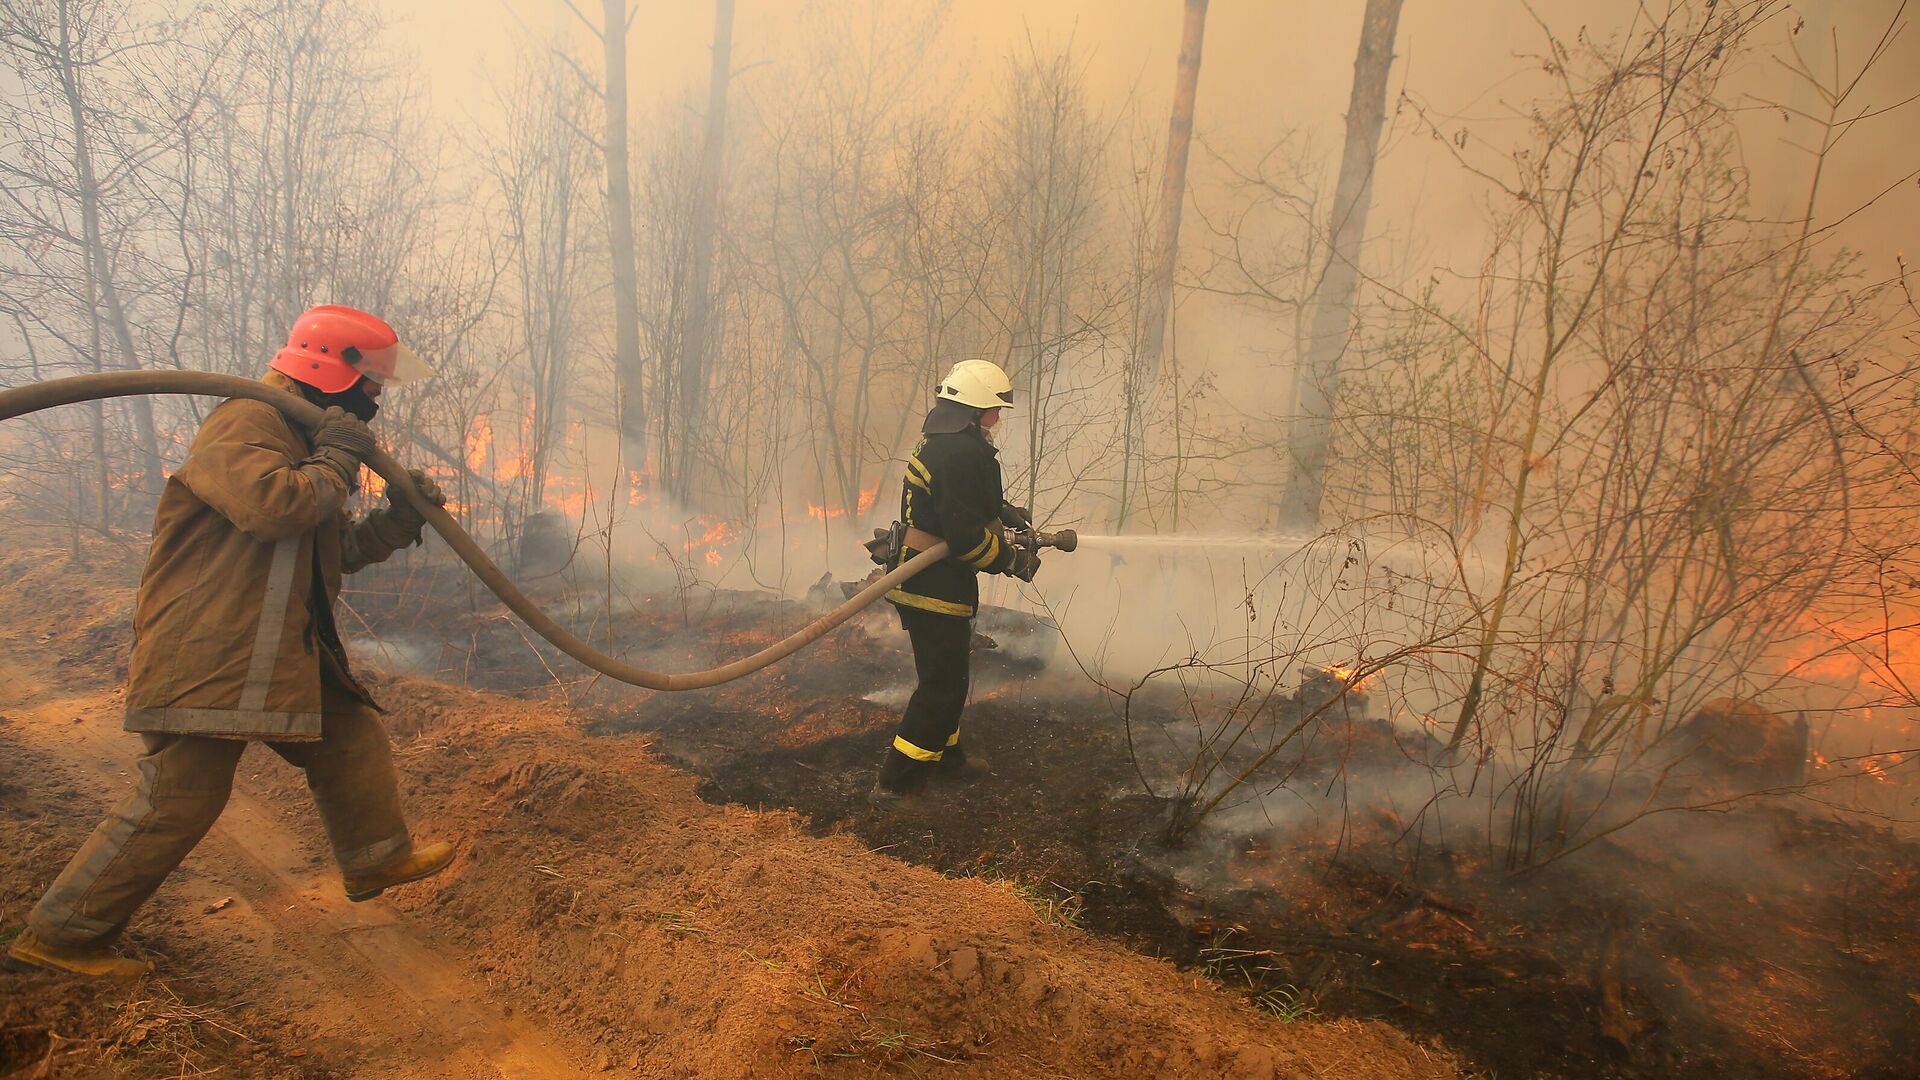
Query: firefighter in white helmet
(951, 492)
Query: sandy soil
(601, 917)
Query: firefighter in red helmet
(235, 642)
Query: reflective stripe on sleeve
(984, 555)
(986, 541)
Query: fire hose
(46, 395)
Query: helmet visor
(394, 363)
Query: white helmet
(979, 383)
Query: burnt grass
(1660, 952)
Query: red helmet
(330, 347)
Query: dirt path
(382, 998)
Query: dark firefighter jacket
(234, 622)
(952, 490)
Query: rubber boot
(29, 951)
(960, 767)
(425, 860)
(887, 800)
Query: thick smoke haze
(1271, 70)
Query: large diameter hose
(46, 395)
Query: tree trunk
(1317, 382)
(103, 472)
(626, 278)
(695, 337)
(1159, 298)
(99, 273)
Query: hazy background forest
(1593, 375)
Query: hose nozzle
(1065, 539)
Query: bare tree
(540, 171)
(62, 48)
(1317, 379)
(696, 341)
(1158, 299)
(1047, 155)
(615, 21)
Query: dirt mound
(689, 939)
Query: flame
(1875, 765)
(479, 444)
(1347, 675)
(1881, 652)
(719, 532)
(862, 503)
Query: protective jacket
(952, 490)
(234, 622)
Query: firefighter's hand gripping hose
(46, 395)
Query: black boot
(887, 800)
(900, 782)
(957, 766)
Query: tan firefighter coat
(234, 622)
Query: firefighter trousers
(184, 783)
(928, 740)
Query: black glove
(1016, 517)
(401, 523)
(341, 442)
(1026, 563)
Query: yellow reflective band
(988, 559)
(917, 482)
(954, 739)
(915, 752)
(928, 603)
(985, 542)
(916, 467)
(985, 560)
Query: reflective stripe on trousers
(930, 726)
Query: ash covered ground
(1768, 937)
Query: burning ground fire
(865, 503)
(717, 535)
(505, 465)
(1879, 654)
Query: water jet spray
(1263, 543)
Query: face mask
(354, 399)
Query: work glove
(1026, 563)
(1016, 517)
(401, 524)
(341, 442)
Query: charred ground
(1764, 939)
